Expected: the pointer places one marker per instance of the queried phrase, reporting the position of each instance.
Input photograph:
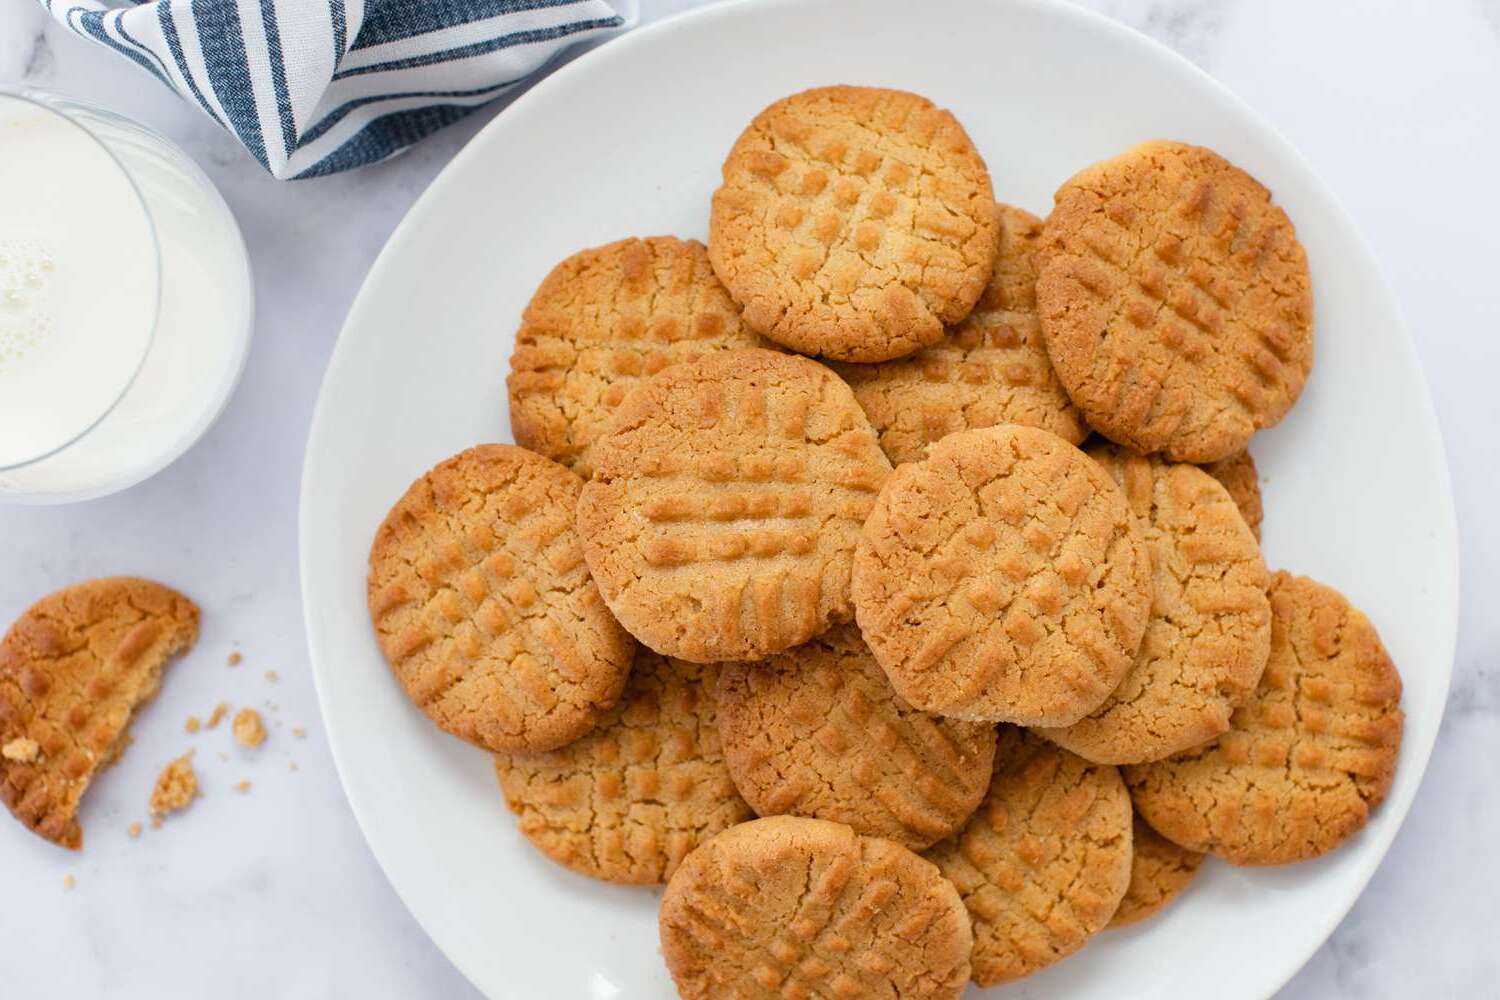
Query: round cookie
(817, 731)
(1209, 632)
(1159, 871)
(1003, 579)
(483, 606)
(1175, 301)
(1309, 754)
(1238, 475)
(786, 906)
(628, 801)
(853, 223)
(1044, 862)
(73, 669)
(726, 502)
(600, 322)
(990, 369)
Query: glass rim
(57, 105)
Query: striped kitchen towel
(312, 87)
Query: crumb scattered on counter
(220, 710)
(249, 728)
(291, 765)
(242, 787)
(299, 732)
(272, 676)
(235, 658)
(134, 829)
(176, 787)
(21, 749)
(192, 724)
(69, 881)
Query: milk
(125, 302)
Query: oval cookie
(1209, 632)
(853, 223)
(1044, 862)
(817, 731)
(1159, 871)
(1308, 755)
(1003, 578)
(73, 669)
(1176, 301)
(483, 606)
(1238, 475)
(726, 502)
(784, 907)
(627, 802)
(601, 321)
(990, 369)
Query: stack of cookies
(973, 616)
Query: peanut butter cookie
(601, 321)
(1209, 632)
(73, 670)
(854, 222)
(790, 907)
(1238, 475)
(817, 731)
(990, 369)
(725, 505)
(1003, 578)
(484, 608)
(1308, 755)
(628, 801)
(1045, 860)
(1159, 871)
(1176, 302)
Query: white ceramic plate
(628, 141)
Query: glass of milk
(125, 300)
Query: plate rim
(1445, 533)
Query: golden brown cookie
(601, 321)
(628, 801)
(853, 223)
(725, 504)
(1045, 860)
(1176, 302)
(817, 731)
(1003, 579)
(1209, 632)
(990, 369)
(1238, 475)
(73, 670)
(484, 608)
(1309, 754)
(1159, 871)
(791, 907)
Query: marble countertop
(273, 893)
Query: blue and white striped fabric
(312, 87)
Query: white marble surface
(273, 893)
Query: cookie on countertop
(1044, 862)
(628, 801)
(1176, 301)
(1209, 632)
(484, 608)
(73, 670)
(1003, 578)
(1159, 871)
(1238, 475)
(1309, 755)
(726, 502)
(785, 907)
(600, 322)
(992, 368)
(817, 731)
(854, 223)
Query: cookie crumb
(192, 725)
(134, 829)
(235, 658)
(291, 765)
(272, 676)
(156, 822)
(176, 787)
(299, 732)
(242, 787)
(220, 710)
(249, 728)
(21, 749)
(69, 881)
